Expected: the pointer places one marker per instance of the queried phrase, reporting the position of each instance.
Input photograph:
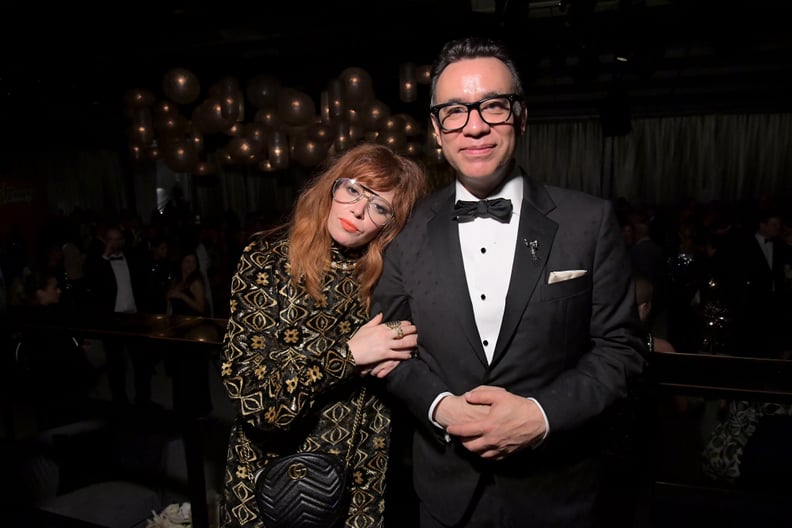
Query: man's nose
(476, 121)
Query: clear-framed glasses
(346, 191)
(494, 110)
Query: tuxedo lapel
(443, 236)
(534, 240)
(759, 254)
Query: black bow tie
(120, 257)
(500, 209)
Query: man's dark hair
(474, 48)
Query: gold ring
(396, 325)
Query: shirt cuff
(538, 442)
(432, 407)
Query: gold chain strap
(356, 426)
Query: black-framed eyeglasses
(494, 110)
(346, 191)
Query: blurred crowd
(718, 287)
(721, 274)
(68, 245)
(89, 265)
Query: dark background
(65, 67)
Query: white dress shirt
(125, 298)
(488, 248)
(766, 244)
(488, 254)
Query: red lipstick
(348, 226)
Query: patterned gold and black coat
(288, 371)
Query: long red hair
(377, 167)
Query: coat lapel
(534, 240)
(443, 235)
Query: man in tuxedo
(527, 325)
(759, 270)
(111, 283)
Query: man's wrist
(433, 409)
(538, 441)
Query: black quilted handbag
(308, 489)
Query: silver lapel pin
(534, 246)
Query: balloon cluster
(284, 125)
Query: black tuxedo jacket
(759, 297)
(101, 287)
(573, 345)
(759, 280)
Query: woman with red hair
(301, 343)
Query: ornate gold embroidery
(283, 354)
(291, 336)
(343, 266)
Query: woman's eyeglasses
(346, 191)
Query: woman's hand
(383, 368)
(383, 345)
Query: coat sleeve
(412, 382)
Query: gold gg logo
(297, 471)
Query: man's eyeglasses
(493, 110)
(346, 191)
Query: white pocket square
(559, 276)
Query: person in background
(50, 257)
(55, 365)
(649, 261)
(644, 298)
(628, 234)
(204, 265)
(685, 272)
(187, 294)
(112, 280)
(300, 341)
(157, 274)
(523, 299)
(758, 267)
(73, 265)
